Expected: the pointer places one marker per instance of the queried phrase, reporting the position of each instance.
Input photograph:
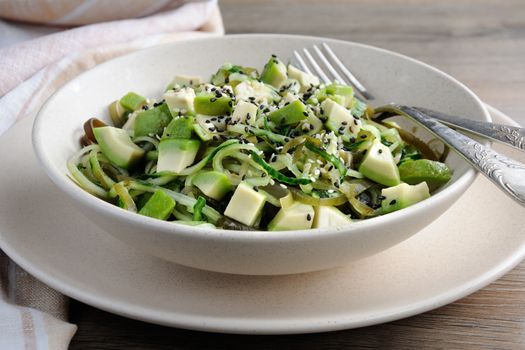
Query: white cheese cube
(245, 205)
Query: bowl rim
(63, 182)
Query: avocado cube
(181, 100)
(402, 196)
(176, 154)
(305, 80)
(132, 101)
(434, 173)
(244, 112)
(117, 146)
(245, 205)
(345, 91)
(179, 128)
(326, 216)
(339, 119)
(159, 206)
(209, 104)
(378, 165)
(298, 216)
(292, 113)
(213, 184)
(152, 121)
(274, 72)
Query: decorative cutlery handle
(511, 135)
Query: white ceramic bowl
(394, 77)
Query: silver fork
(508, 174)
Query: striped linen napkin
(32, 315)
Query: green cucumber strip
(197, 208)
(276, 174)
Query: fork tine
(348, 74)
(317, 69)
(329, 66)
(303, 65)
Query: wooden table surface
(482, 43)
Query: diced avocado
(345, 91)
(179, 128)
(202, 133)
(326, 216)
(180, 100)
(379, 165)
(152, 121)
(292, 113)
(176, 154)
(244, 112)
(230, 74)
(117, 113)
(186, 80)
(339, 119)
(305, 80)
(434, 173)
(245, 205)
(402, 196)
(274, 72)
(209, 104)
(159, 206)
(298, 216)
(117, 146)
(259, 92)
(132, 101)
(214, 184)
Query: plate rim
(268, 326)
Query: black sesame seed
(251, 98)
(230, 103)
(256, 189)
(248, 116)
(227, 80)
(308, 217)
(311, 127)
(261, 106)
(213, 89)
(243, 177)
(321, 111)
(286, 139)
(213, 119)
(336, 185)
(305, 114)
(263, 175)
(344, 123)
(355, 121)
(213, 99)
(145, 107)
(211, 129)
(393, 201)
(266, 110)
(380, 151)
(221, 117)
(274, 56)
(363, 136)
(352, 139)
(245, 129)
(380, 197)
(364, 152)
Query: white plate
(475, 242)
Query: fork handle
(506, 173)
(510, 135)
